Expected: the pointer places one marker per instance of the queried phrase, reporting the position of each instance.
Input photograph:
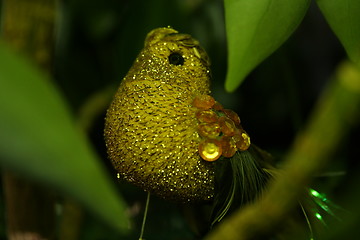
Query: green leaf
(39, 140)
(344, 19)
(255, 29)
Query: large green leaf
(38, 139)
(255, 29)
(344, 19)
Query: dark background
(98, 41)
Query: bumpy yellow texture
(151, 128)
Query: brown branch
(336, 111)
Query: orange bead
(228, 146)
(233, 116)
(237, 137)
(203, 102)
(207, 116)
(227, 126)
(210, 150)
(209, 130)
(242, 140)
(217, 106)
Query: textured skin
(151, 128)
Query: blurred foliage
(255, 30)
(344, 19)
(39, 139)
(98, 41)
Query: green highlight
(316, 194)
(321, 200)
(318, 216)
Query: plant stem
(145, 215)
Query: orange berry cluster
(220, 129)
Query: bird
(166, 134)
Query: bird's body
(151, 128)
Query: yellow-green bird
(152, 126)
(167, 135)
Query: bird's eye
(176, 59)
